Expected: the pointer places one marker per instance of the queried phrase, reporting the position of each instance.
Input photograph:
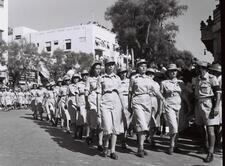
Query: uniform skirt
(111, 114)
(141, 105)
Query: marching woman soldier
(208, 95)
(155, 119)
(124, 89)
(172, 90)
(20, 97)
(39, 101)
(82, 111)
(140, 88)
(216, 70)
(33, 103)
(56, 90)
(65, 118)
(111, 107)
(92, 99)
(72, 101)
(50, 103)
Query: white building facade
(90, 38)
(4, 20)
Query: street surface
(28, 142)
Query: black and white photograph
(111, 83)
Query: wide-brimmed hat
(84, 72)
(66, 78)
(96, 63)
(60, 80)
(202, 64)
(76, 76)
(216, 67)
(122, 70)
(141, 61)
(172, 67)
(110, 60)
(150, 70)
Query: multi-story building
(4, 20)
(211, 34)
(4, 37)
(90, 38)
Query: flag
(43, 71)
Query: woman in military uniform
(111, 107)
(155, 119)
(124, 89)
(92, 104)
(72, 101)
(82, 111)
(172, 90)
(65, 116)
(140, 87)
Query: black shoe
(209, 158)
(105, 152)
(140, 153)
(124, 146)
(89, 140)
(100, 148)
(114, 156)
(170, 150)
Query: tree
(24, 57)
(3, 48)
(64, 61)
(144, 26)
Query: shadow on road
(63, 139)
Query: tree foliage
(144, 26)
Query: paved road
(28, 142)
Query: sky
(49, 14)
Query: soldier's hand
(216, 111)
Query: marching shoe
(209, 158)
(170, 150)
(100, 148)
(114, 156)
(140, 153)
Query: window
(17, 37)
(56, 42)
(1, 3)
(48, 46)
(68, 44)
(82, 39)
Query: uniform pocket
(207, 103)
(205, 89)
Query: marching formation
(121, 103)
